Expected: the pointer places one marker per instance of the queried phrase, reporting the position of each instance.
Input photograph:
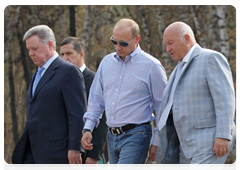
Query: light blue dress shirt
(127, 90)
(48, 63)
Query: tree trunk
(184, 13)
(20, 34)
(166, 58)
(198, 27)
(9, 34)
(87, 23)
(87, 32)
(62, 22)
(106, 36)
(224, 42)
(212, 30)
(107, 30)
(98, 32)
(98, 19)
(27, 75)
(236, 13)
(72, 20)
(145, 27)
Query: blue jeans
(131, 147)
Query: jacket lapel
(29, 94)
(86, 75)
(47, 76)
(195, 53)
(167, 90)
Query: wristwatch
(86, 130)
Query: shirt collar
(50, 60)
(83, 67)
(187, 56)
(131, 56)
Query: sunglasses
(122, 43)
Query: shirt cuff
(89, 124)
(155, 140)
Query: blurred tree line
(214, 27)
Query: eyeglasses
(122, 43)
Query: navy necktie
(37, 78)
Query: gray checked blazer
(203, 106)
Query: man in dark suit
(72, 49)
(55, 105)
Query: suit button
(30, 117)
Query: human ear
(82, 54)
(138, 38)
(50, 45)
(187, 38)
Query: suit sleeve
(219, 79)
(74, 95)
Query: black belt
(120, 130)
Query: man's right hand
(86, 141)
(91, 161)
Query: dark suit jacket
(99, 134)
(88, 76)
(54, 115)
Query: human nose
(168, 49)
(118, 47)
(30, 53)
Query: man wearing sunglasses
(129, 85)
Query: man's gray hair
(185, 29)
(44, 33)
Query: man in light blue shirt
(129, 86)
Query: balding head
(182, 30)
(179, 39)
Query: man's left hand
(152, 153)
(221, 146)
(74, 157)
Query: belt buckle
(117, 131)
(112, 130)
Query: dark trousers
(30, 164)
(28, 154)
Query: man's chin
(174, 57)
